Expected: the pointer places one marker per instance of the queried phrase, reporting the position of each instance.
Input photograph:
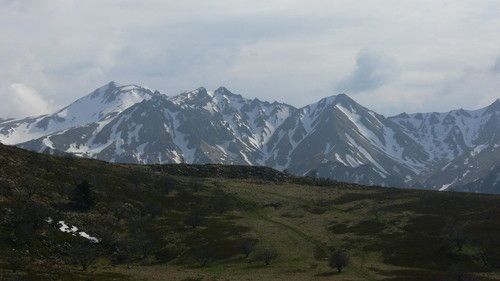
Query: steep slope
(334, 137)
(139, 134)
(194, 127)
(463, 145)
(249, 123)
(490, 183)
(468, 167)
(337, 130)
(98, 107)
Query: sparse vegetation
(184, 224)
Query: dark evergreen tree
(83, 197)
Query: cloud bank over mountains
(394, 55)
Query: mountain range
(334, 137)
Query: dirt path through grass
(260, 215)
(361, 272)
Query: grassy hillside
(184, 222)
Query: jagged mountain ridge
(463, 145)
(334, 137)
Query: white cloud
(290, 50)
(19, 100)
(373, 70)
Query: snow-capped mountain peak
(104, 103)
(192, 98)
(100, 105)
(336, 137)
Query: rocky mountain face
(463, 145)
(487, 184)
(334, 137)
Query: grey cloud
(471, 88)
(292, 52)
(496, 66)
(19, 100)
(200, 51)
(372, 71)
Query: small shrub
(82, 254)
(204, 255)
(338, 260)
(153, 208)
(145, 235)
(121, 252)
(248, 246)
(458, 274)
(196, 184)
(193, 219)
(456, 236)
(5, 188)
(137, 175)
(266, 255)
(15, 260)
(221, 202)
(166, 184)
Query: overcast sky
(391, 56)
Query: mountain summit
(99, 106)
(334, 137)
